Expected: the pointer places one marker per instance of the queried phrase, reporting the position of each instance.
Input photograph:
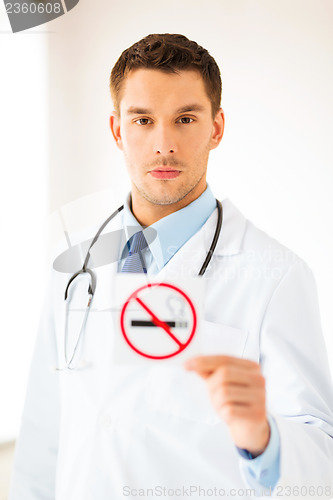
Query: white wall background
(275, 160)
(23, 210)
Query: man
(253, 416)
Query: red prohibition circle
(133, 296)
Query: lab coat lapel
(188, 260)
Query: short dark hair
(170, 53)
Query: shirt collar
(173, 230)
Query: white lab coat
(112, 431)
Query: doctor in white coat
(254, 416)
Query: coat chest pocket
(179, 393)
(219, 339)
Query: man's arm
(298, 386)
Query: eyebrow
(134, 110)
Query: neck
(146, 212)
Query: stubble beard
(164, 198)
(168, 198)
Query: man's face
(166, 132)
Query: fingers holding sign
(237, 390)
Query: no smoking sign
(158, 321)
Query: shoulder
(253, 245)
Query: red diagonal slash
(158, 322)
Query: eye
(185, 120)
(143, 121)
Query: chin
(164, 198)
(165, 192)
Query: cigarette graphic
(173, 324)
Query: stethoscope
(92, 279)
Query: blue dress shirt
(172, 232)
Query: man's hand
(237, 391)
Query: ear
(218, 129)
(115, 128)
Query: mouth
(164, 173)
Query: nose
(164, 141)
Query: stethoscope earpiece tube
(70, 282)
(92, 284)
(105, 223)
(215, 238)
(85, 269)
